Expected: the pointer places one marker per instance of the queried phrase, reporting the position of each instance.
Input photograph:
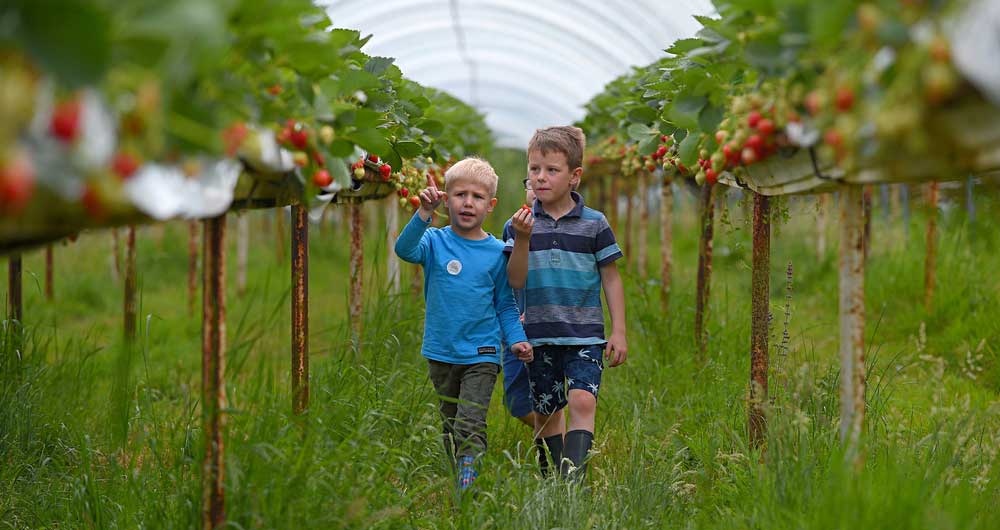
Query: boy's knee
(582, 403)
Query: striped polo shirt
(563, 291)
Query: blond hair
(474, 169)
(566, 139)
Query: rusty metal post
(930, 261)
(49, 269)
(15, 304)
(666, 242)
(852, 321)
(357, 273)
(213, 362)
(130, 286)
(704, 266)
(392, 232)
(192, 264)
(242, 251)
(643, 223)
(760, 311)
(300, 309)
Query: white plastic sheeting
(525, 64)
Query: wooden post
(930, 261)
(130, 287)
(643, 223)
(759, 316)
(391, 233)
(192, 264)
(821, 217)
(242, 251)
(15, 304)
(49, 269)
(666, 242)
(852, 321)
(300, 309)
(357, 274)
(213, 362)
(704, 266)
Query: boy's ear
(574, 179)
(493, 204)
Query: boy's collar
(577, 211)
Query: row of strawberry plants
(101, 103)
(859, 84)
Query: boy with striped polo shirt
(563, 253)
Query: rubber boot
(578, 444)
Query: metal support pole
(300, 309)
(213, 348)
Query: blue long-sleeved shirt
(469, 301)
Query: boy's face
(550, 175)
(468, 203)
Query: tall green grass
(97, 434)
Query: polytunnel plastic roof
(525, 64)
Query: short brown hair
(474, 169)
(566, 139)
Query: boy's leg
(477, 384)
(447, 383)
(548, 395)
(584, 367)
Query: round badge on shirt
(454, 267)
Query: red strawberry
(385, 170)
(711, 177)
(17, 183)
(753, 119)
(274, 89)
(662, 150)
(124, 164)
(299, 137)
(403, 192)
(845, 99)
(414, 201)
(322, 178)
(65, 122)
(766, 127)
(755, 142)
(372, 157)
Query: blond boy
(470, 308)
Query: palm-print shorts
(559, 369)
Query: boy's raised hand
(430, 199)
(522, 221)
(523, 351)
